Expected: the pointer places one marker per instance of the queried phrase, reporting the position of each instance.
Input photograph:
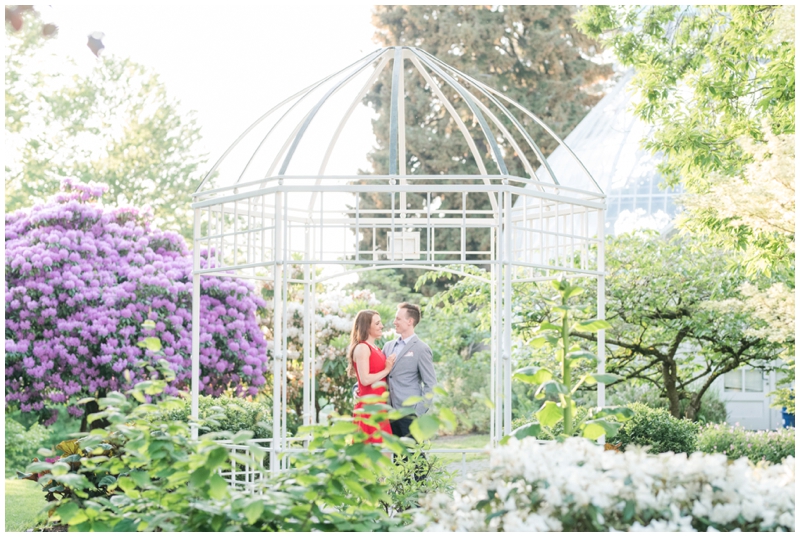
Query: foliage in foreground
(559, 391)
(657, 428)
(144, 473)
(736, 442)
(577, 486)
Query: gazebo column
(601, 307)
(196, 324)
(277, 333)
(308, 379)
(507, 296)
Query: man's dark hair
(412, 310)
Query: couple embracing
(405, 364)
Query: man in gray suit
(413, 372)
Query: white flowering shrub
(577, 486)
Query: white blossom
(542, 487)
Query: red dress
(377, 363)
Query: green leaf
(38, 467)
(107, 480)
(533, 375)
(550, 414)
(538, 342)
(199, 477)
(218, 487)
(573, 291)
(242, 436)
(216, 457)
(150, 343)
(581, 355)
(549, 326)
(594, 429)
(126, 483)
(253, 510)
(529, 429)
(605, 378)
(551, 387)
(413, 400)
(592, 325)
(341, 427)
(424, 427)
(449, 418)
(438, 390)
(67, 512)
(141, 479)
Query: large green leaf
(605, 378)
(413, 400)
(533, 375)
(253, 510)
(448, 418)
(594, 429)
(551, 387)
(151, 344)
(549, 414)
(424, 427)
(592, 325)
(549, 326)
(530, 429)
(218, 487)
(342, 427)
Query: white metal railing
(251, 477)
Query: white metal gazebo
(281, 205)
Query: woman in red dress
(370, 366)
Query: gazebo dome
(302, 138)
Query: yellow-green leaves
(549, 414)
(533, 375)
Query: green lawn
(470, 441)
(24, 501)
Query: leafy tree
(532, 53)
(714, 82)
(666, 330)
(116, 123)
(90, 291)
(717, 84)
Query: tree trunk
(92, 408)
(695, 403)
(670, 374)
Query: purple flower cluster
(80, 281)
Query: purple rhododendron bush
(81, 279)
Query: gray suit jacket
(411, 375)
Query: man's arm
(427, 374)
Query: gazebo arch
(257, 220)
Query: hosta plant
(559, 388)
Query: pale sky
(228, 61)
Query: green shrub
(657, 428)
(414, 477)
(737, 442)
(235, 415)
(22, 444)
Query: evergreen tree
(533, 54)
